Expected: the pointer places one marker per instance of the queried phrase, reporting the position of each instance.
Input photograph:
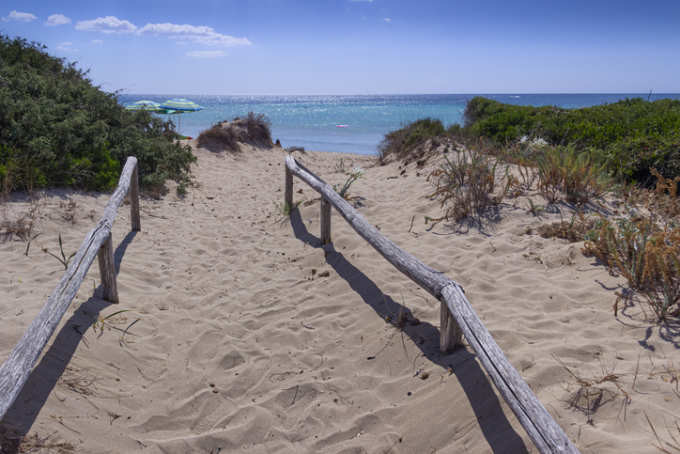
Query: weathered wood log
(431, 280)
(325, 221)
(133, 195)
(546, 434)
(451, 335)
(288, 200)
(107, 270)
(15, 371)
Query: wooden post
(133, 194)
(289, 190)
(107, 270)
(450, 333)
(325, 221)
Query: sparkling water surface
(312, 121)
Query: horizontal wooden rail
(457, 315)
(16, 370)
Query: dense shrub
(630, 136)
(253, 129)
(57, 129)
(400, 142)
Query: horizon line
(408, 94)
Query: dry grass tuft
(22, 227)
(621, 246)
(592, 393)
(68, 208)
(664, 199)
(465, 186)
(573, 231)
(646, 255)
(564, 170)
(664, 445)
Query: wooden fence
(457, 316)
(15, 371)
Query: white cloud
(19, 16)
(97, 41)
(388, 19)
(361, 1)
(200, 34)
(66, 46)
(108, 24)
(206, 53)
(57, 19)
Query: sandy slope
(250, 340)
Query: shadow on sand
(497, 430)
(44, 377)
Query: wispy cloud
(361, 1)
(97, 41)
(108, 24)
(200, 34)
(197, 34)
(66, 46)
(206, 53)
(57, 19)
(388, 19)
(18, 16)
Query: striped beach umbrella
(145, 104)
(180, 104)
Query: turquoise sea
(312, 121)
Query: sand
(249, 339)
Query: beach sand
(250, 339)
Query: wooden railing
(15, 371)
(457, 316)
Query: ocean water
(312, 121)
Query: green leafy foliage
(57, 129)
(400, 142)
(629, 136)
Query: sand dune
(250, 339)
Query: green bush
(630, 136)
(59, 130)
(400, 142)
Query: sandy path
(250, 340)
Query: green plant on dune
(628, 137)
(63, 259)
(352, 176)
(400, 142)
(568, 171)
(58, 129)
(646, 255)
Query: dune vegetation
(253, 129)
(57, 129)
(574, 159)
(628, 137)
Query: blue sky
(360, 47)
